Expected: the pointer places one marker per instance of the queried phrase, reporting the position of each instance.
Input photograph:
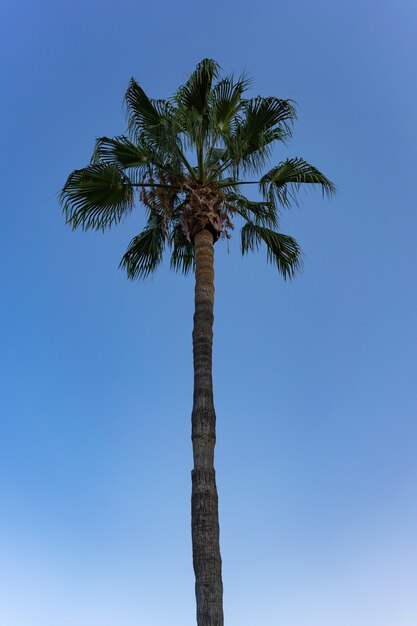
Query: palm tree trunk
(204, 501)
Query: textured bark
(204, 500)
(205, 209)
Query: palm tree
(190, 205)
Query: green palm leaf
(263, 213)
(145, 251)
(158, 124)
(264, 121)
(193, 115)
(121, 151)
(194, 95)
(96, 197)
(282, 250)
(282, 183)
(226, 102)
(263, 114)
(212, 161)
(143, 114)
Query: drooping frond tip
(282, 251)
(282, 183)
(96, 197)
(144, 252)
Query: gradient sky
(315, 380)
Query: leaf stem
(155, 185)
(241, 182)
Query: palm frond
(282, 250)
(96, 197)
(193, 113)
(262, 122)
(226, 102)
(143, 114)
(213, 159)
(263, 114)
(140, 161)
(195, 93)
(282, 182)
(144, 252)
(121, 151)
(263, 213)
(158, 124)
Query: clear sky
(315, 380)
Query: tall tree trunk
(204, 501)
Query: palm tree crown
(231, 138)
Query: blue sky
(315, 383)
